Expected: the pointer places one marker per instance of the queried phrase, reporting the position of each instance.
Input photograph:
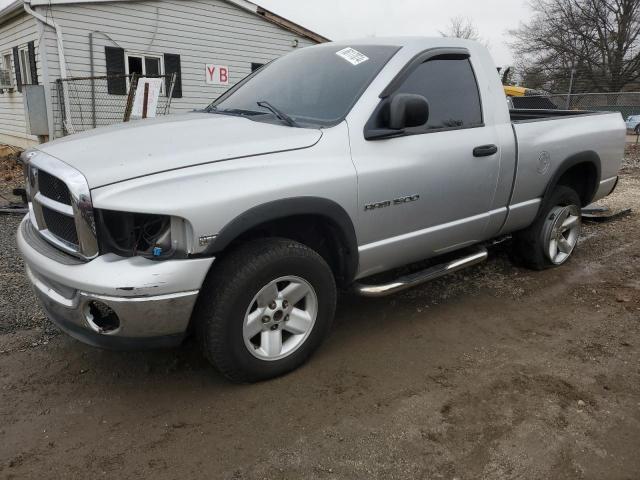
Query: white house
(45, 40)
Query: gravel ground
(632, 157)
(18, 311)
(495, 372)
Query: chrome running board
(423, 276)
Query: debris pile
(11, 181)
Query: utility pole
(573, 72)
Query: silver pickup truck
(324, 168)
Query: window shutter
(32, 63)
(16, 65)
(116, 81)
(172, 65)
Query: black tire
(529, 245)
(228, 291)
(637, 130)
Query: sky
(345, 19)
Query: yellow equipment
(511, 91)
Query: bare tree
(597, 40)
(461, 27)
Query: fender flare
(589, 157)
(294, 206)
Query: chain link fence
(627, 103)
(88, 102)
(84, 103)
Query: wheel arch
(327, 216)
(582, 172)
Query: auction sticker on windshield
(352, 56)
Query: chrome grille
(60, 204)
(38, 243)
(60, 225)
(53, 188)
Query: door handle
(485, 150)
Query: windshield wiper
(232, 111)
(278, 113)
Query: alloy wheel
(280, 318)
(561, 232)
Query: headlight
(132, 234)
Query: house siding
(201, 32)
(17, 32)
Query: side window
(6, 79)
(450, 87)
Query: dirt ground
(10, 175)
(493, 373)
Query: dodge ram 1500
(325, 167)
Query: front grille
(38, 243)
(53, 188)
(60, 206)
(60, 225)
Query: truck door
(428, 191)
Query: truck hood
(124, 151)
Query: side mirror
(408, 110)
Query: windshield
(311, 87)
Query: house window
(117, 64)
(6, 77)
(25, 66)
(134, 65)
(152, 65)
(145, 65)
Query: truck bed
(543, 146)
(530, 114)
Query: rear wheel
(552, 238)
(562, 230)
(264, 309)
(637, 130)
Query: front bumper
(153, 300)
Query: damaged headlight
(132, 234)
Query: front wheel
(264, 309)
(552, 238)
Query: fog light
(101, 317)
